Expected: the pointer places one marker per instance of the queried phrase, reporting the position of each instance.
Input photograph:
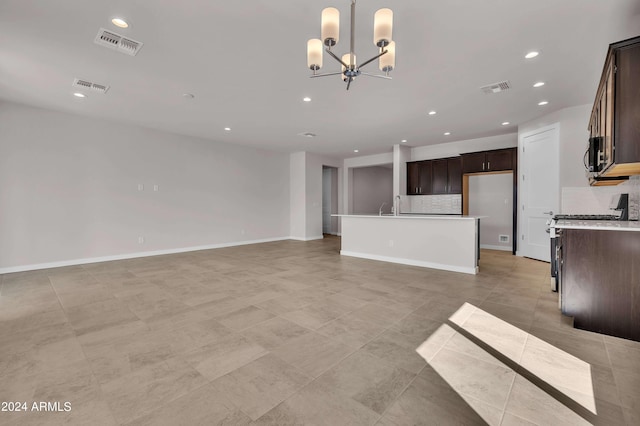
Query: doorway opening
(329, 200)
(492, 197)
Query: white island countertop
(414, 216)
(599, 225)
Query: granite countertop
(602, 225)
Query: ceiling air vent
(496, 87)
(84, 84)
(117, 42)
(307, 134)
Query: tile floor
(291, 333)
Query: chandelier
(382, 26)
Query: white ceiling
(245, 62)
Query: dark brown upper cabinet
(442, 176)
(419, 177)
(615, 117)
(488, 161)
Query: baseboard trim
(307, 238)
(83, 261)
(411, 262)
(490, 247)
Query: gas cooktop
(586, 217)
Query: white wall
(372, 186)
(451, 149)
(298, 201)
(69, 190)
(492, 196)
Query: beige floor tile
(244, 318)
(531, 403)
(398, 350)
(313, 353)
(351, 330)
(274, 332)
(352, 377)
(202, 406)
(416, 327)
(316, 314)
(149, 389)
(223, 356)
(488, 382)
(435, 342)
(183, 298)
(430, 400)
(291, 302)
(316, 405)
(500, 335)
(99, 315)
(260, 385)
(563, 371)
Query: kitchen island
(448, 242)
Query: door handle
(488, 165)
(549, 212)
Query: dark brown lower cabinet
(600, 285)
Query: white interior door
(540, 183)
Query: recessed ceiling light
(505, 123)
(227, 129)
(543, 103)
(432, 113)
(447, 133)
(539, 84)
(403, 141)
(356, 150)
(188, 95)
(306, 99)
(531, 54)
(79, 95)
(119, 22)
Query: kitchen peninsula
(448, 242)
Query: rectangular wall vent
(504, 238)
(84, 84)
(496, 87)
(117, 42)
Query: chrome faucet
(396, 210)
(380, 211)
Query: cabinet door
(607, 146)
(627, 106)
(440, 176)
(426, 171)
(454, 166)
(499, 160)
(473, 163)
(413, 178)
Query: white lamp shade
(330, 26)
(314, 54)
(382, 27)
(388, 60)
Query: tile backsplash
(435, 204)
(598, 200)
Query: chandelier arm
(336, 58)
(325, 74)
(373, 59)
(349, 82)
(376, 75)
